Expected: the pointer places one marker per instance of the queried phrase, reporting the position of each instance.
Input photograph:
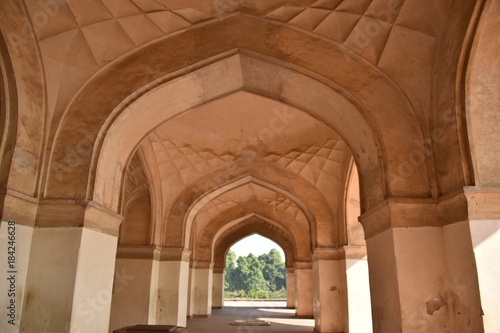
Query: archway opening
(255, 270)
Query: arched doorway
(256, 266)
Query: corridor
(281, 319)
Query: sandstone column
(70, 269)
(304, 287)
(421, 266)
(132, 285)
(218, 289)
(330, 290)
(170, 288)
(291, 285)
(203, 281)
(16, 230)
(191, 283)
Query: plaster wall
(358, 294)
(136, 227)
(130, 304)
(23, 235)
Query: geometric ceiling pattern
(363, 25)
(180, 164)
(246, 193)
(77, 38)
(93, 24)
(314, 163)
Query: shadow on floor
(281, 319)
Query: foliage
(259, 277)
(261, 294)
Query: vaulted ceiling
(254, 130)
(200, 111)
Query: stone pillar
(170, 288)
(132, 285)
(203, 281)
(291, 285)
(304, 287)
(18, 233)
(191, 283)
(484, 216)
(421, 267)
(70, 269)
(218, 289)
(358, 289)
(330, 290)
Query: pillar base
(304, 316)
(202, 315)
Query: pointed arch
(252, 225)
(8, 118)
(373, 143)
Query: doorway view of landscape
(255, 269)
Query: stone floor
(281, 319)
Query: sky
(257, 245)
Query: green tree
(253, 276)
(230, 271)
(274, 270)
(249, 274)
